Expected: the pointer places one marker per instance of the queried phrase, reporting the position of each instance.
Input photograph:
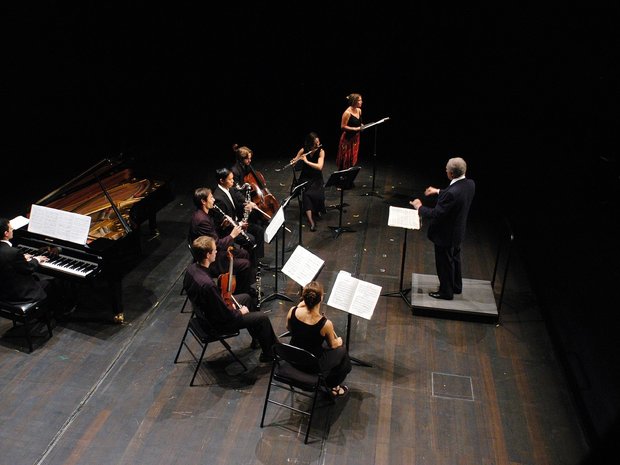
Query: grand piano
(118, 200)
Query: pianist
(19, 280)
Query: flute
(296, 159)
(234, 223)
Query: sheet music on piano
(59, 224)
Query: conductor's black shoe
(437, 295)
(264, 358)
(313, 228)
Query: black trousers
(448, 264)
(258, 324)
(337, 364)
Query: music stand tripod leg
(275, 294)
(374, 170)
(401, 292)
(340, 229)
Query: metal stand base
(275, 295)
(336, 230)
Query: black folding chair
(204, 333)
(297, 371)
(183, 290)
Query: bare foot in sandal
(339, 391)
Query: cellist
(266, 205)
(243, 159)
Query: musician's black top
(18, 281)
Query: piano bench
(28, 314)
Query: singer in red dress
(351, 125)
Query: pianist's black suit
(18, 281)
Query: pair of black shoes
(439, 295)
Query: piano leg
(153, 225)
(116, 299)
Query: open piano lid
(108, 191)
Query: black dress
(314, 192)
(334, 362)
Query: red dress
(349, 145)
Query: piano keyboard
(64, 264)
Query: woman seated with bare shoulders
(312, 331)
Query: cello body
(260, 194)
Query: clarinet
(248, 199)
(234, 223)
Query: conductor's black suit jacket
(449, 216)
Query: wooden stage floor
(438, 391)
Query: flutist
(312, 156)
(231, 207)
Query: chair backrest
(191, 251)
(297, 357)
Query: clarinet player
(232, 203)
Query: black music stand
(279, 216)
(297, 190)
(374, 156)
(343, 180)
(401, 292)
(275, 294)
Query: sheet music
(404, 218)
(274, 225)
(19, 221)
(354, 295)
(302, 266)
(59, 224)
(369, 125)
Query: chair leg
(262, 420)
(198, 362)
(27, 334)
(48, 321)
(316, 391)
(184, 304)
(229, 349)
(181, 346)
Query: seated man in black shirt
(206, 297)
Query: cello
(228, 282)
(261, 196)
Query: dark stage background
(528, 97)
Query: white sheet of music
(19, 221)
(354, 295)
(302, 266)
(60, 224)
(404, 218)
(274, 225)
